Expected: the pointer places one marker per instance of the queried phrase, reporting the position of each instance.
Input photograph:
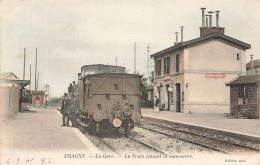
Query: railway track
(153, 148)
(228, 146)
(222, 145)
(109, 147)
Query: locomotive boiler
(110, 99)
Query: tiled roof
(205, 38)
(245, 80)
(256, 63)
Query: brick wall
(233, 98)
(253, 98)
(204, 31)
(252, 95)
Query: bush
(55, 100)
(26, 100)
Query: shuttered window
(167, 65)
(177, 62)
(158, 68)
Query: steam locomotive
(109, 96)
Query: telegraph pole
(135, 59)
(30, 76)
(38, 80)
(36, 71)
(24, 64)
(148, 50)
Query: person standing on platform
(65, 109)
(73, 107)
(157, 101)
(70, 89)
(74, 88)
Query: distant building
(256, 67)
(38, 98)
(8, 76)
(245, 96)
(190, 76)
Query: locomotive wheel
(96, 127)
(127, 127)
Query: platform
(40, 130)
(248, 127)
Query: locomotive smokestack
(210, 18)
(182, 33)
(203, 16)
(217, 18)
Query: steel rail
(194, 142)
(186, 140)
(145, 144)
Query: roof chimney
(217, 19)
(252, 64)
(207, 21)
(182, 33)
(210, 18)
(203, 16)
(176, 38)
(209, 29)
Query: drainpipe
(252, 65)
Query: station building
(190, 76)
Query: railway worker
(73, 107)
(74, 87)
(65, 109)
(156, 108)
(70, 89)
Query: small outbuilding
(245, 96)
(11, 98)
(38, 98)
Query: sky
(71, 33)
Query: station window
(242, 95)
(167, 65)
(116, 86)
(238, 57)
(158, 68)
(177, 62)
